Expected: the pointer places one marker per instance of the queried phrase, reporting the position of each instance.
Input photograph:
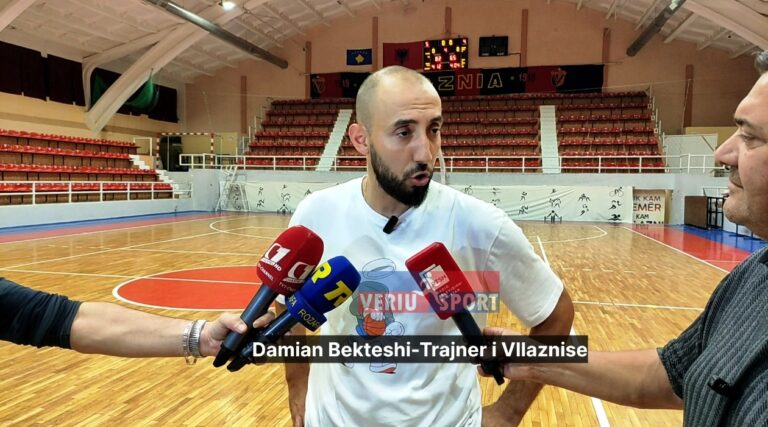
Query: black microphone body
(268, 335)
(256, 308)
(474, 336)
(391, 224)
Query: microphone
(331, 284)
(447, 289)
(391, 224)
(282, 269)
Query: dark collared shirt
(719, 365)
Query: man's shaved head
(366, 95)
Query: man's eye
(435, 130)
(403, 133)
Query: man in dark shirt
(717, 369)
(41, 319)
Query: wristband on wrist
(190, 342)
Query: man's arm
(297, 377)
(114, 330)
(521, 392)
(632, 378)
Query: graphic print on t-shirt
(371, 307)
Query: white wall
(22, 215)
(206, 190)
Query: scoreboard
(446, 54)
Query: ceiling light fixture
(227, 4)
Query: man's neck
(379, 200)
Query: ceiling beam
(647, 14)
(346, 8)
(579, 4)
(315, 12)
(748, 47)
(219, 32)
(612, 9)
(376, 3)
(248, 27)
(12, 10)
(740, 19)
(284, 18)
(712, 38)
(654, 27)
(682, 26)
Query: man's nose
(423, 150)
(728, 153)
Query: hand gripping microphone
(331, 284)
(447, 289)
(282, 270)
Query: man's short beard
(396, 187)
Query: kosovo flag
(359, 56)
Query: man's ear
(359, 138)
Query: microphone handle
(474, 336)
(269, 335)
(258, 307)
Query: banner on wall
(558, 203)
(359, 56)
(336, 85)
(408, 55)
(534, 203)
(479, 81)
(649, 206)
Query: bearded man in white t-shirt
(398, 130)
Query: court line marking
(195, 252)
(212, 226)
(629, 305)
(107, 250)
(597, 404)
(103, 231)
(675, 249)
(605, 233)
(152, 277)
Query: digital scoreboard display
(446, 54)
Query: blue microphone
(331, 284)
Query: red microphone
(283, 269)
(449, 293)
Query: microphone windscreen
(332, 283)
(444, 284)
(290, 259)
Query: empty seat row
(493, 142)
(28, 187)
(606, 129)
(481, 132)
(76, 139)
(291, 134)
(610, 141)
(492, 120)
(598, 117)
(73, 169)
(602, 106)
(302, 112)
(283, 121)
(60, 151)
(544, 95)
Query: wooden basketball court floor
(630, 292)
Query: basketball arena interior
(151, 151)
